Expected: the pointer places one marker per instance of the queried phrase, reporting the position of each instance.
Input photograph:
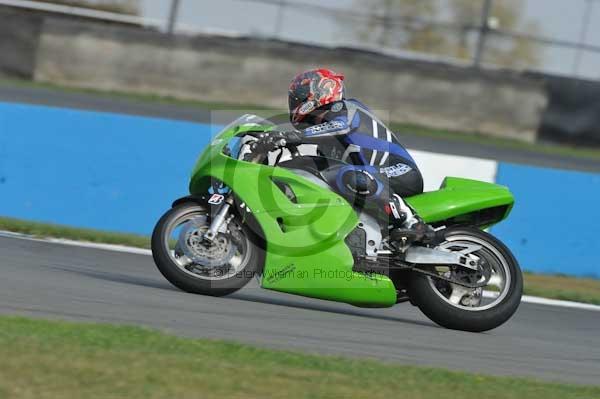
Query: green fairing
(306, 253)
(459, 197)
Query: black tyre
(456, 307)
(208, 277)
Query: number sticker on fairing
(216, 199)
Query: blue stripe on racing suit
(364, 129)
(371, 143)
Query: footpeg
(420, 232)
(406, 236)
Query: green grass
(50, 359)
(114, 6)
(554, 287)
(406, 129)
(58, 231)
(586, 290)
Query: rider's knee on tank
(369, 192)
(408, 184)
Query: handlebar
(275, 140)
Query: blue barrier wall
(120, 173)
(554, 226)
(95, 170)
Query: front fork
(219, 219)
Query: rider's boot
(407, 227)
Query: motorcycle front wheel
(193, 264)
(470, 309)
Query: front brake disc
(202, 252)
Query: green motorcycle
(255, 212)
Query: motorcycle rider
(378, 171)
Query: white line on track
(82, 244)
(147, 252)
(550, 302)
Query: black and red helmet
(313, 89)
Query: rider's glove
(293, 137)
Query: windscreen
(247, 119)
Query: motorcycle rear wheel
(474, 310)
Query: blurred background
(551, 45)
(546, 35)
(114, 99)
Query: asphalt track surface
(56, 281)
(50, 280)
(109, 103)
